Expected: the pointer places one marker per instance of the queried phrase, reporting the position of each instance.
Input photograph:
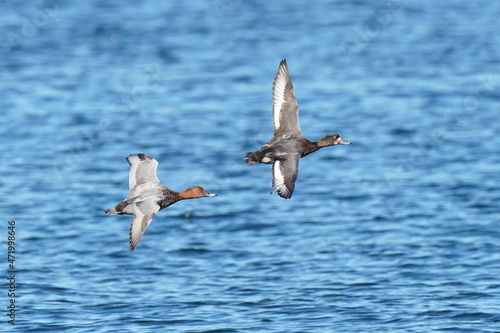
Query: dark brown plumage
(288, 145)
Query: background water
(398, 232)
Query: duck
(148, 196)
(288, 145)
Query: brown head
(332, 140)
(195, 192)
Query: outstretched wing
(142, 170)
(285, 171)
(144, 211)
(285, 107)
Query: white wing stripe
(279, 180)
(278, 96)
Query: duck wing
(285, 171)
(144, 211)
(142, 170)
(285, 107)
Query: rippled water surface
(398, 232)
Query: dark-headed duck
(148, 196)
(288, 144)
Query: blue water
(398, 232)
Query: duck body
(280, 148)
(288, 145)
(148, 196)
(163, 196)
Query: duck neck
(170, 197)
(311, 147)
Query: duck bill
(344, 142)
(208, 194)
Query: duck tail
(251, 158)
(111, 211)
(122, 208)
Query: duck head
(332, 140)
(195, 192)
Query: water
(398, 232)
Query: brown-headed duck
(288, 144)
(148, 196)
